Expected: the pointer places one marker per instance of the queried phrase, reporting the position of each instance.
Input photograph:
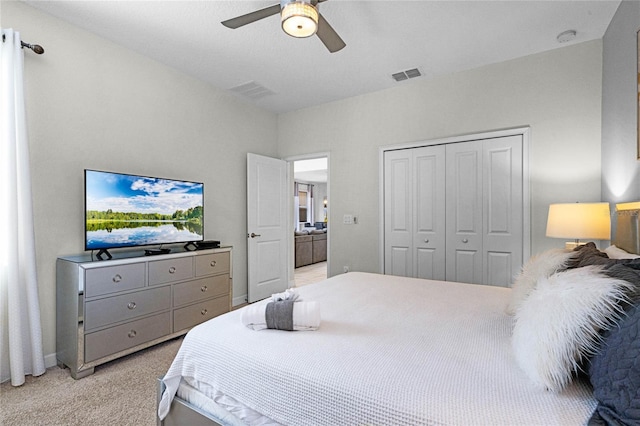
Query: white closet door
(398, 208)
(464, 212)
(455, 211)
(429, 218)
(503, 201)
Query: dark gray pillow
(588, 254)
(628, 273)
(615, 373)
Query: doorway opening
(310, 219)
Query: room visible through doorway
(310, 220)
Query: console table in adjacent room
(108, 309)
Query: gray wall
(620, 167)
(94, 104)
(556, 93)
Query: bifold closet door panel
(503, 212)
(464, 212)
(429, 226)
(398, 211)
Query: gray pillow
(615, 373)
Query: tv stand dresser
(111, 308)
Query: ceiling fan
(300, 18)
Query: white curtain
(296, 206)
(311, 207)
(20, 328)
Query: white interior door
(267, 226)
(456, 211)
(414, 212)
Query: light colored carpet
(122, 392)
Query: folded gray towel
(279, 315)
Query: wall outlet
(345, 269)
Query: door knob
(254, 235)
(464, 240)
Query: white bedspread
(389, 350)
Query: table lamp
(579, 221)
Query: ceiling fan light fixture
(299, 19)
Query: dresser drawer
(107, 311)
(170, 270)
(115, 339)
(99, 281)
(214, 263)
(203, 288)
(190, 316)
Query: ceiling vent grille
(405, 75)
(252, 90)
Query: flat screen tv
(123, 210)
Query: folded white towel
(288, 294)
(306, 316)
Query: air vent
(405, 75)
(252, 90)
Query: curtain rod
(35, 47)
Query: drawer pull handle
(203, 288)
(172, 270)
(131, 305)
(426, 241)
(117, 278)
(213, 263)
(464, 240)
(132, 334)
(203, 312)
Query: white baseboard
(50, 360)
(239, 300)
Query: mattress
(389, 350)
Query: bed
(390, 350)
(396, 350)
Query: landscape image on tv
(125, 210)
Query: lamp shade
(299, 19)
(579, 221)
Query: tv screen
(124, 210)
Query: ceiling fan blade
(329, 36)
(239, 21)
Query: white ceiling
(382, 37)
(313, 170)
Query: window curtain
(311, 207)
(20, 328)
(296, 206)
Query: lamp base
(571, 245)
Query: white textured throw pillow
(541, 265)
(617, 253)
(558, 324)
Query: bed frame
(182, 413)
